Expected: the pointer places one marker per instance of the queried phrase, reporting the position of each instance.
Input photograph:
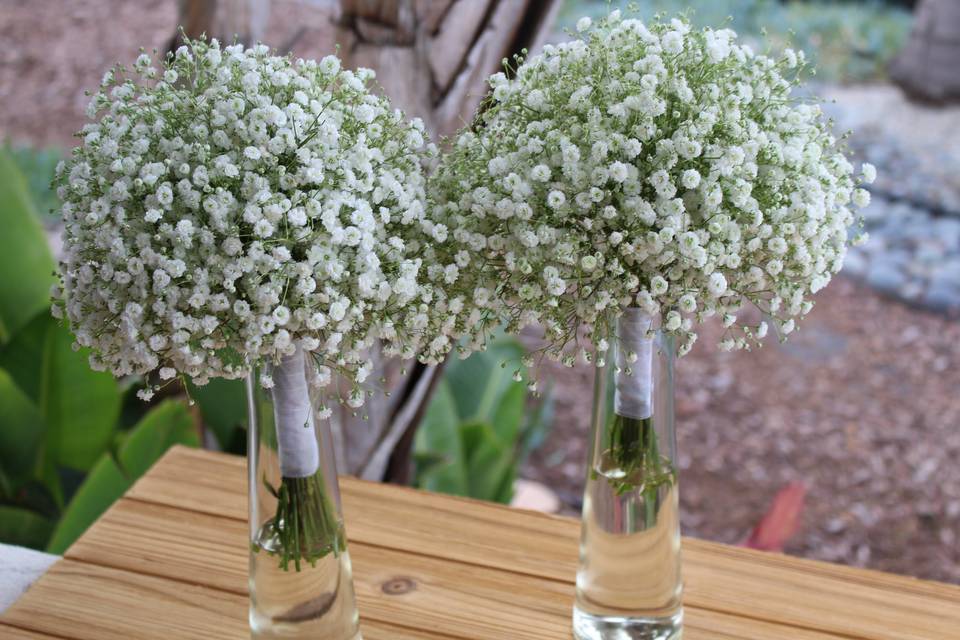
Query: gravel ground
(914, 216)
(861, 405)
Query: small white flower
(658, 285)
(690, 179)
(281, 315)
(761, 331)
(330, 65)
(717, 284)
(555, 199)
(583, 24)
(861, 197)
(540, 173)
(673, 321)
(672, 42)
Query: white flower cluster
(647, 166)
(233, 205)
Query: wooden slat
(180, 549)
(452, 600)
(486, 533)
(81, 601)
(13, 633)
(800, 593)
(86, 602)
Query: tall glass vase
(300, 579)
(628, 582)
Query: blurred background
(839, 445)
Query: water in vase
(628, 585)
(285, 603)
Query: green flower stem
(306, 526)
(635, 451)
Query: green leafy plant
(479, 426)
(223, 410)
(38, 167)
(66, 452)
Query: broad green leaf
(23, 527)
(507, 419)
(537, 425)
(25, 259)
(21, 429)
(105, 484)
(223, 405)
(23, 356)
(167, 424)
(427, 462)
(80, 406)
(38, 167)
(490, 463)
(478, 382)
(438, 436)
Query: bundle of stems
(636, 453)
(306, 526)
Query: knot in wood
(399, 586)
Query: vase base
(587, 626)
(274, 632)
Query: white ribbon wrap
(296, 436)
(633, 381)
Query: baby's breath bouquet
(642, 178)
(650, 170)
(228, 211)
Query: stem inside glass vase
(628, 582)
(306, 525)
(634, 463)
(300, 573)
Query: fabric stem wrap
(633, 390)
(297, 444)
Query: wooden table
(169, 561)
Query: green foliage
(64, 456)
(20, 436)
(25, 260)
(165, 425)
(23, 527)
(38, 167)
(848, 41)
(80, 406)
(479, 426)
(223, 407)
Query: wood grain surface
(169, 561)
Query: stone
(886, 276)
(948, 231)
(528, 494)
(855, 264)
(942, 297)
(929, 252)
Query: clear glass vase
(628, 582)
(300, 578)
